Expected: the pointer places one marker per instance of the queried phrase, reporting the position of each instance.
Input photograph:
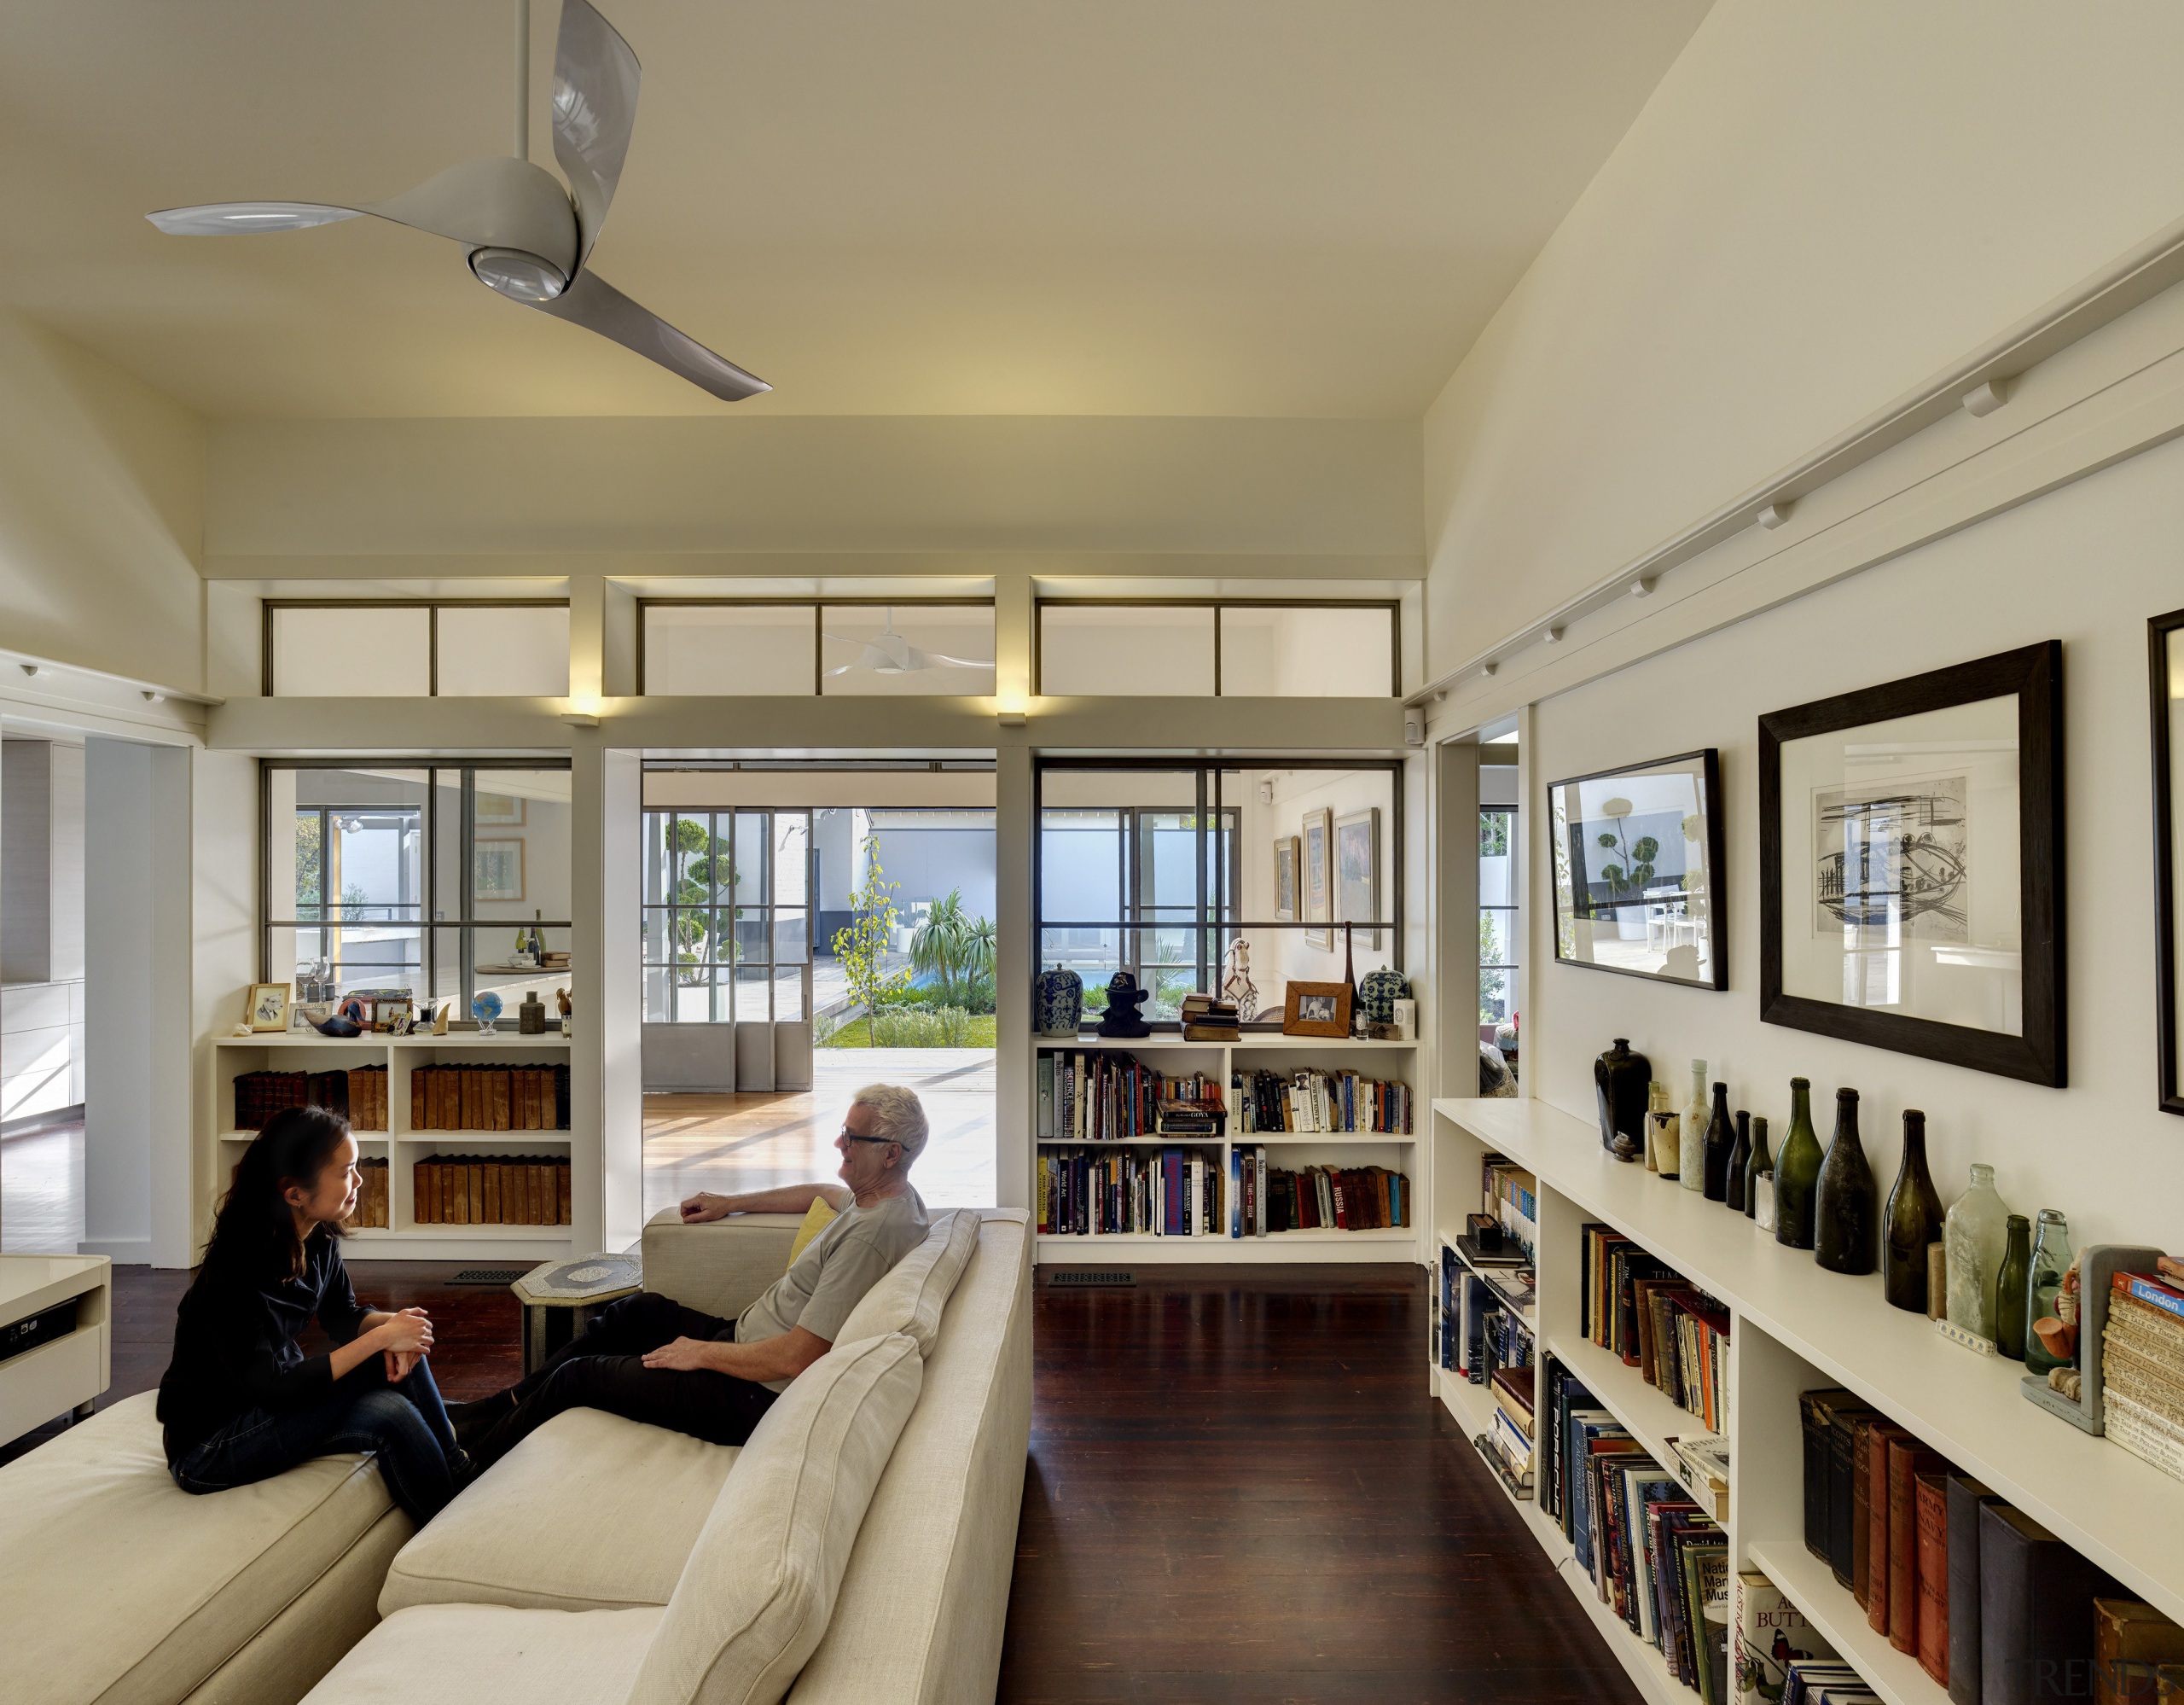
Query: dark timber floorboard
(1239, 1489)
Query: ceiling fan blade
(593, 304)
(958, 662)
(238, 218)
(595, 77)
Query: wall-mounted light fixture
(584, 710)
(1776, 512)
(1642, 588)
(1982, 400)
(152, 698)
(32, 670)
(1489, 668)
(1551, 636)
(1011, 710)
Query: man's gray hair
(897, 1115)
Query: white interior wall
(2087, 564)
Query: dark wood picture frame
(2033, 675)
(1292, 1025)
(2165, 976)
(1708, 760)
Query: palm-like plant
(956, 950)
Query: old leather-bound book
(1878, 1440)
(1931, 1498)
(2035, 1611)
(1907, 1460)
(2130, 1640)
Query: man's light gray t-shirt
(836, 1270)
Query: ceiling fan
(528, 238)
(888, 652)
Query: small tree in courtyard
(860, 947)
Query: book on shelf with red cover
(1907, 1460)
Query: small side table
(560, 1299)
(63, 1372)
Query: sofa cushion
(916, 1289)
(117, 1587)
(491, 1654)
(591, 1512)
(721, 1266)
(760, 1587)
(816, 1218)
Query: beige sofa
(859, 1548)
(117, 1586)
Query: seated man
(649, 1359)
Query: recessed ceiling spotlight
(1488, 668)
(153, 698)
(1552, 636)
(1642, 589)
(32, 670)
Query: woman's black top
(235, 1348)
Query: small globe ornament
(485, 1007)
(1378, 992)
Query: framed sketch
(1357, 871)
(1284, 879)
(496, 810)
(1318, 877)
(1911, 865)
(1315, 1010)
(496, 868)
(2165, 655)
(1638, 870)
(267, 1008)
(392, 1015)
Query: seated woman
(242, 1402)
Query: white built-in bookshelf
(1794, 1328)
(400, 1145)
(1173, 1056)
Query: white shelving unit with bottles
(1173, 1056)
(401, 1146)
(1794, 1328)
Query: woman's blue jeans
(403, 1422)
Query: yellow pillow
(816, 1218)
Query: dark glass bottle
(2012, 1286)
(1740, 1163)
(1797, 1172)
(1759, 1175)
(1620, 1082)
(1844, 1216)
(1915, 1220)
(1720, 1138)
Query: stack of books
(492, 1189)
(1164, 1193)
(2143, 1365)
(1337, 1199)
(371, 1212)
(1511, 1194)
(1701, 1461)
(1313, 1100)
(1511, 1437)
(1093, 1097)
(489, 1099)
(1208, 1018)
(1635, 1304)
(358, 1095)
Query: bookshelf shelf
(1811, 1586)
(1794, 1325)
(1653, 1419)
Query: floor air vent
(1074, 1279)
(489, 1275)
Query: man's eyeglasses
(851, 1137)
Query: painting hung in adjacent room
(1319, 877)
(1285, 878)
(2165, 654)
(1910, 846)
(1357, 872)
(1637, 870)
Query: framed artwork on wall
(1911, 865)
(1285, 878)
(1638, 870)
(497, 870)
(1318, 877)
(496, 810)
(1357, 871)
(267, 1007)
(2165, 656)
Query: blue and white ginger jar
(1057, 1002)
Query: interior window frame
(1392, 606)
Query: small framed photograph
(267, 1009)
(497, 871)
(1357, 872)
(1911, 865)
(496, 810)
(1638, 863)
(1284, 879)
(1316, 1010)
(392, 1016)
(1318, 877)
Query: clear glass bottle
(1740, 1163)
(1759, 1178)
(1656, 1114)
(1915, 1220)
(2051, 1260)
(1844, 1216)
(2014, 1287)
(1797, 1171)
(1973, 1235)
(1720, 1138)
(1690, 1170)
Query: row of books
(492, 1189)
(1097, 1097)
(373, 1204)
(1994, 1607)
(489, 1099)
(358, 1095)
(1511, 1194)
(1483, 1325)
(2143, 1365)
(1166, 1192)
(1635, 1304)
(1314, 1100)
(1656, 1557)
(1337, 1199)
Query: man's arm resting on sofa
(788, 1199)
(783, 1357)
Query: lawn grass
(853, 1034)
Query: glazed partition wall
(841, 648)
(416, 648)
(1218, 647)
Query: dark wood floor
(1239, 1489)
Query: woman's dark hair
(254, 1234)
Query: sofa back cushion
(912, 1297)
(759, 1588)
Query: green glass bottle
(1720, 1137)
(1740, 1163)
(2014, 1289)
(2051, 1261)
(1915, 1220)
(1845, 1216)
(1759, 1177)
(1797, 1171)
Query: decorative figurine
(531, 1016)
(1123, 999)
(485, 1007)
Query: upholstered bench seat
(118, 1587)
(491, 1655)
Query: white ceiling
(1213, 207)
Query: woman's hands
(406, 1339)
